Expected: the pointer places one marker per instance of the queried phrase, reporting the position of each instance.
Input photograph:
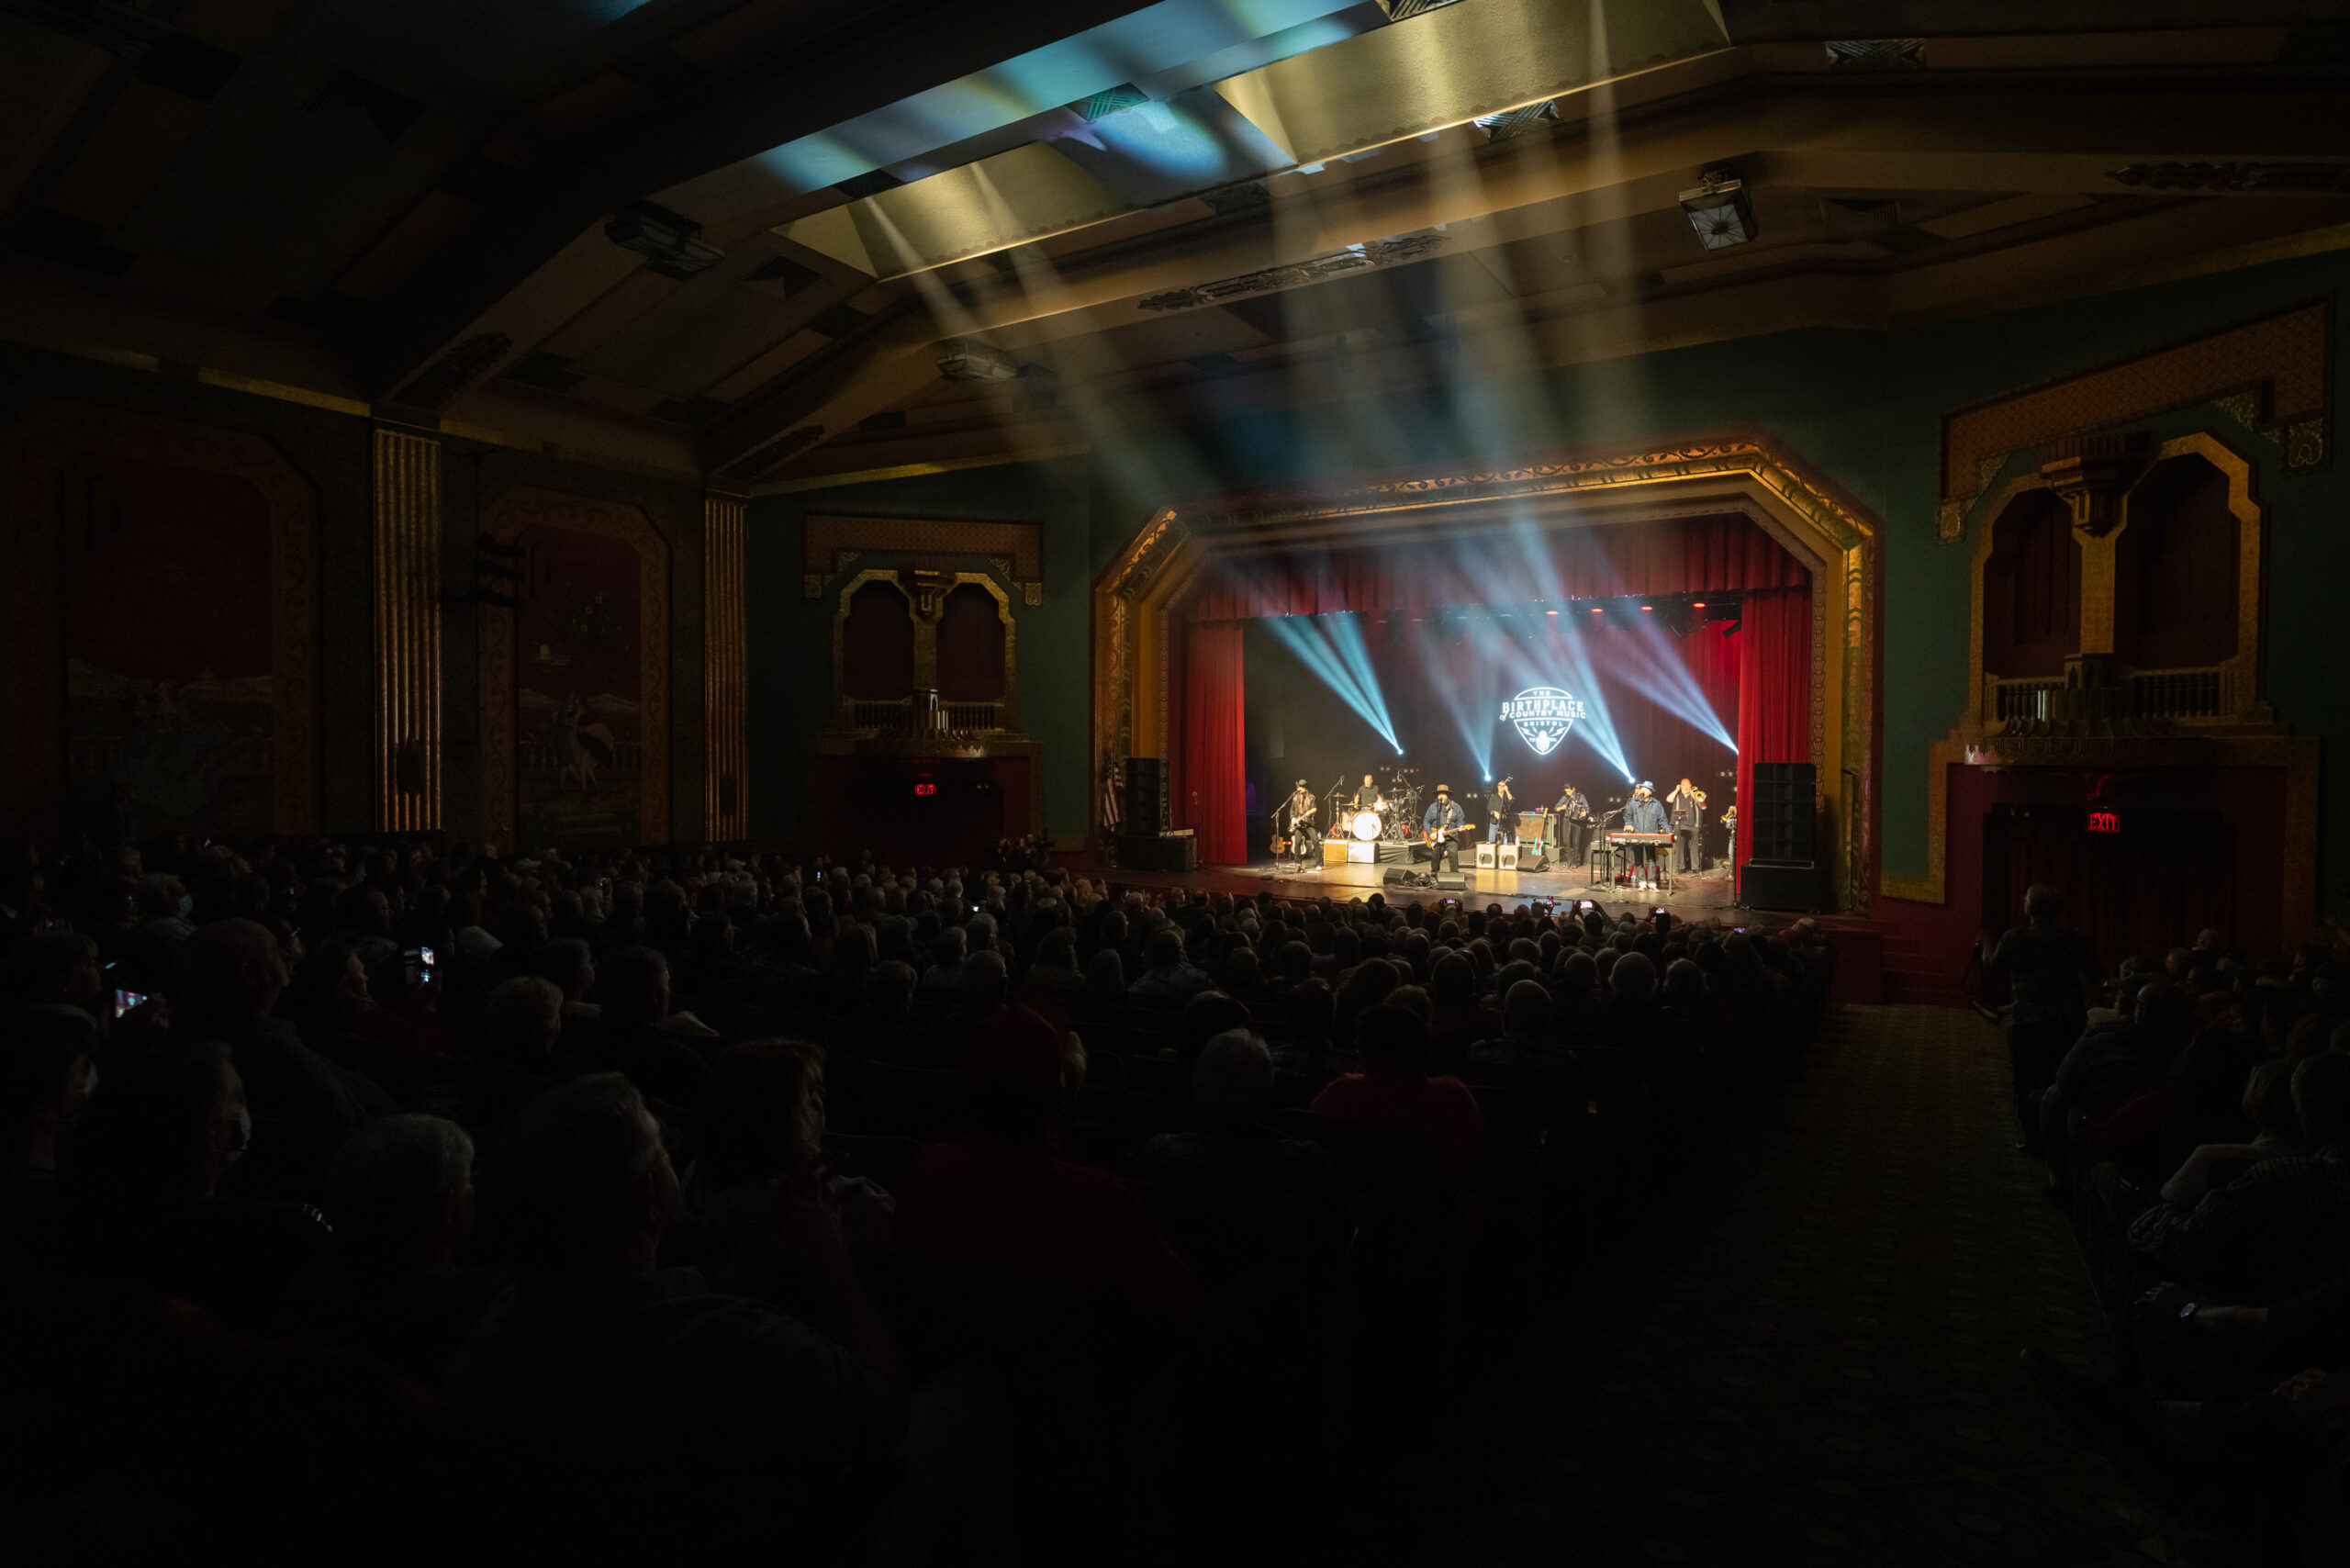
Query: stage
(1692, 898)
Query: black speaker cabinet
(1451, 882)
(1148, 803)
(1779, 818)
(1792, 886)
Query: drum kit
(1395, 816)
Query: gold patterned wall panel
(830, 544)
(408, 749)
(575, 685)
(725, 680)
(2282, 363)
(176, 733)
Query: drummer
(1369, 797)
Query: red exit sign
(2105, 821)
(925, 788)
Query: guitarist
(1439, 824)
(1298, 814)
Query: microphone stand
(1601, 847)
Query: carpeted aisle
(1810, 1356)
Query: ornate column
(2090, 473)
(407, 631)
(725, 683)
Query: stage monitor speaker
(1150, 804)
(1398, 877)
(1790, 885)
(1778, 821)
(1451, 882)
(1158, 852)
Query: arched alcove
(2031, 588)
(2175, 569)
(971, 647)
(877, 644)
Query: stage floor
(1692, 898)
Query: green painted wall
(1861, 407)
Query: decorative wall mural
(575, 724)
(579, 697)
(169, 664)
(157, 600)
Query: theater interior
(618, 604)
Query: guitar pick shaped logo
(1543, 715)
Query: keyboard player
(1645, 814)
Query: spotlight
(966, 359)
(1599, 610)
(1551, 613)
(1649, 607)
(1719, 210)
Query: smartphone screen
(1585, 905)
(1656, 909)
(124, 1000)
(425, 955)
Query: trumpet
(1701, 795)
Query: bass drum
(1366, 826)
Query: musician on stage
(1297, 815)
(1644, 813)
(1439, 825)
(1686, 805)
(1497, 807)
(1369, 798)
(1570, 825)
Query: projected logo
(1543, 715)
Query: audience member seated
(2268, 1107)
(2109, 1067)
(1395, 1086)
(638, 1036)
(2199, 1100)
(760, 1117)
(1232, 1150)
(2281, 1227)
(787, 1417)
(1003, 1201)
(235, 973)
(1169, 976)
(141, 1177)
(400, 1198)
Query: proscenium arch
(1137, 595)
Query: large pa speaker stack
(1779, 820)
(1148, 808)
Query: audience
(808, 1331)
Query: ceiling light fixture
(1719, 210)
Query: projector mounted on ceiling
(966, 359)
(1719, 211)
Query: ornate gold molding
(726, 787)
(525, 506)
(830, 544)
(408, 743)
(1974, 740)
(2284, 362)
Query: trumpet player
(1687, 806)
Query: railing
(2022, 700)
(2181, 694)
(926, 716)
(2189, 694)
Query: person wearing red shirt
(1396, 1087)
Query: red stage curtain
(1773, 690)
(1208, 769)
(1676, 555)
